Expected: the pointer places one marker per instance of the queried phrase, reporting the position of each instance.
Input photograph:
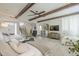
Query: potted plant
(74, 48)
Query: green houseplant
(74, 48)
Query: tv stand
(54, 35)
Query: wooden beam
(75, 13)
(56, 10)
(29, 5)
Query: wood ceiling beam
(29, 5)
(75, 13)
(56, 10)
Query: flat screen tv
(54, 28)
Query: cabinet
(54, 35)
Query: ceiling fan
(36, 13)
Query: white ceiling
(40, 7)
(60, 13)
(12, 9)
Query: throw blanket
(15, 49)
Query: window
(70, 25)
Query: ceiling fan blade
(32, 11)
(41, 12)
(32, 15)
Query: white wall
(70, 22)
(53, 22)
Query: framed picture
(54, 28)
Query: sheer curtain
(70, 25)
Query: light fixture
(21, 24)
(4, 24)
